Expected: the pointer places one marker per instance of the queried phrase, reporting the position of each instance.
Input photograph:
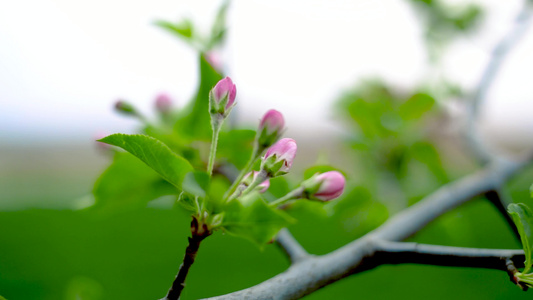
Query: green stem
(262, 176)
(216, 123)
(244, 171)
(294, 194)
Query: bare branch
(402, 253)
(290, 246)
(318, 271)
(498, 55)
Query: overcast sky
(63, 63)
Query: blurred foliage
(121, 249)
(443, 22)
(391, 138)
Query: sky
(64, 63)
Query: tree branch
(290, 246)
(496, 198)
(199, 233)
(401, 253)
(318, 271)
(498, 55)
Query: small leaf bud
(125, 108)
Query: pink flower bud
(278, 158)
(225, 88)
(249, 179)
(270, 128)
(163, 103)
(331, 185)
(214, 59)
(272, 121)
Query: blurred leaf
(254, 220)
(427, 154)
(128, 182)
(217, 188)
(188, 202)
(278, 188)
(2, 298)
(319, 169)
(196, 183)
(83, 288)
(236, 146)
(468, 18)
(416, 106)
(183, 29)
(196, 123)
(523, 219)
(218, 31)
(358, 211)
(153, 153)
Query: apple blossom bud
(215, 60)
(270, 128)
(278, 158)
(263, 186)
(125, 108)
(163, 103)
(324, 187)
(222, 97)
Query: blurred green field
(58, 254)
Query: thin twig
(199, 233)
(290, 246)
(497, 198)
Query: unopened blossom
(270, 128)
(328, 186)
(279, 158)
(222, 97)
(163, 103)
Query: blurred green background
(394, 151)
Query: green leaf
(197, 122)
(183, 29)
(218, 31)
(427, 154)
(523, 219)
(217, 188)
(196, 183)
(236, 146)
(279, 187)
(416, 106)
(128, 182)
(83, 288)
(155, 154)
(188, 202)
(2, 298)
(254, 220)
